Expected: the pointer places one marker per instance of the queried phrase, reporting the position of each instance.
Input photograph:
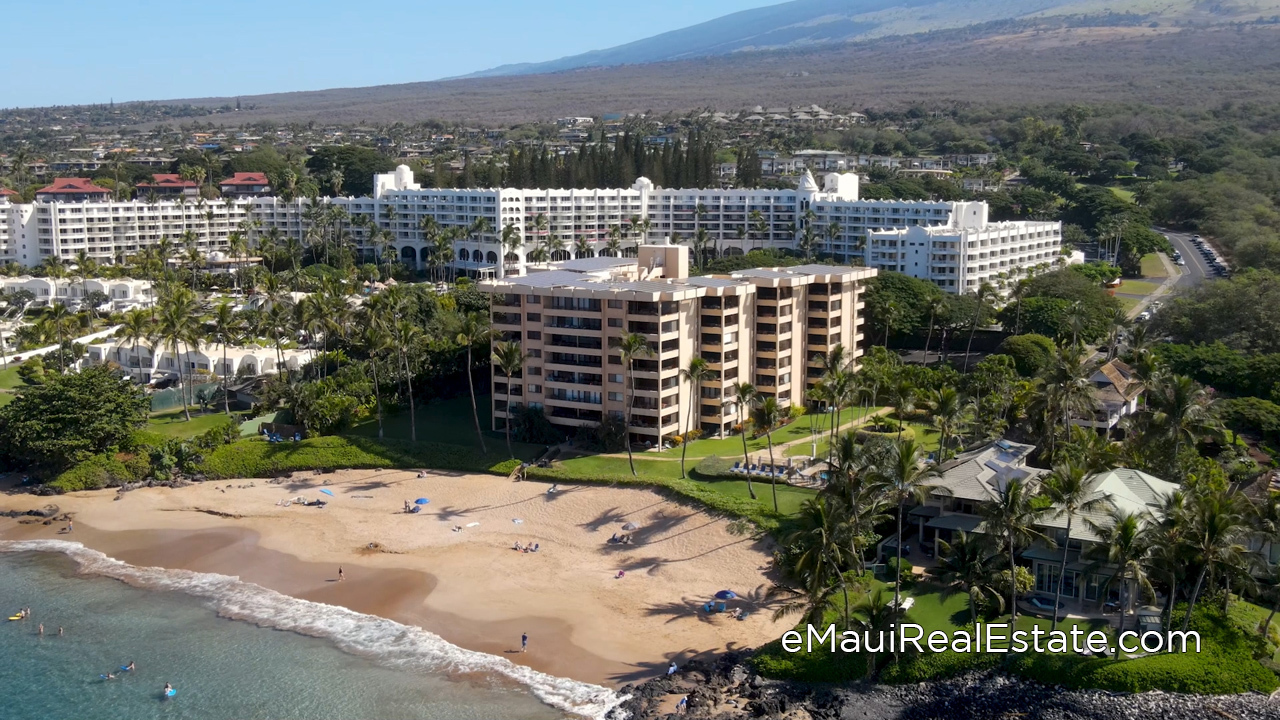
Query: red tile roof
(7, 191)
(246, 178)
(72, 185)
(168, 180)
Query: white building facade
(566, 224)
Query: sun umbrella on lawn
(631, 526)
(421, 501)
(726, 595)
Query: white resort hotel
(952, 244)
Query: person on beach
(672, 670)
(341, 576)
(70, 525)
(682, 705)
(524, 642)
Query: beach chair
(737, 467)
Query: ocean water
(236, 650)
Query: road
(1196, 270)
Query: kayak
(15, 617)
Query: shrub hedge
(100, 471)
(255, 457)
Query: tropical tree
(767, 416)
(178, 325)
(226, 329)
(509, 359)
(1214, 537)
(818, 561)
(1013, 518)
(1123, 543)
(968, 564)
(948, 412)
(376, 340)
(904, 477)
(744, 396)
(984, 294)
(470, 330)
(1071, 493)
(698, 371)
(937, 306)
(873, 614)
(632, 347)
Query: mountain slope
(808, 23)
(1163, 66)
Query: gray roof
(765, 273)
(593, 263)
(979, 475)
(713, 282)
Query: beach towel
(473, 524)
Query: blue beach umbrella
(726, 595)
(327, 492)
(421, 501)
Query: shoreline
(468, 587)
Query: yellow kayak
(15, 617)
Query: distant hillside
(804, 24)
(1005, 64)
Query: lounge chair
(737, 467)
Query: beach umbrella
(327, 492)
(726, 595)
(631, 526)
(421, 501)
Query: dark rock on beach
(726, 689)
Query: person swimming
(130, 667)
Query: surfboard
(170, 692)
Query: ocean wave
(382, 640)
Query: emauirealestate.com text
(990, 638)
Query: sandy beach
(451, 568)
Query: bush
(904, 573)
(922, 668)
(883, 429)
(255, 457)
(1253, 416)
(100, 471)
(1031, 353)
(773, 662)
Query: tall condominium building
(966, 252)
(768, 327)
(505, 231)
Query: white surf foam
(379, 639)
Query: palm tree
(376, 340)
(874, 614)
(614, 246)
(226, 329)
(510, 360)
(1123, 542)
(1181, 411)
(985, 291)
(405, 336)
(903, 477)
(1217, 526)
(1068, 488)
(631, 347)
(512, 240)
(949, 413)
(744, 396)
(904, 402)
(136, 327)
(473, 329)
(59, 318)
(699, 370)
(968, 564)
(937, 306)
(1013, 518)
(1117, 323)
(766, 416)
(177, 324)
(890, 312)
(819, 561)
(833, 231)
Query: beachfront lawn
(789, 498)
(647, 465)
(447, 422)
(173, 424)
(257, 458)
(1152, 267)
(1137, 287)
(798, 430)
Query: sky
(64, 52)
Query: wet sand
(470, 587)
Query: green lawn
(9, 378)
(173, 423)
(646, 465)
(1128, 303)
(789, 498)
(1123, 193)
(1152, 267)
(5, 399)
(798, 430)
(448, 422)
(1137, 287)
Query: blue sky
(91, 51)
